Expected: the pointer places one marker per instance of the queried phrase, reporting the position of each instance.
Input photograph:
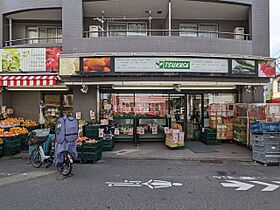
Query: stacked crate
(209, 136)
(12, 145)
(1, 147)
(108, 142)
(266, 142)
(90, 152)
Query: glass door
(194, 115)
(178, 110)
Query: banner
(267, 68)
(29, 59)
(180, 65)
(94, 65)
(243, 66)
(69, 66)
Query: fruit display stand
(22, 134)
(89, 150)
(240, 126)
(221, 119)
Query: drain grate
(212, 161)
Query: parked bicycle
(63, 148)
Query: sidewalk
(158, 151)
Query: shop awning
(29, 81)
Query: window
(119, 28)
(44, 34)
(33, 34)
(208, 27)
(188, 30)
(137, 29)
(191, 30)
(128, 29)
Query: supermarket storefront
(144, 116)
(142, 96)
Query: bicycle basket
(38, 136)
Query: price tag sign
(166, 130)
(175, 137)
(117, 131)
(154, 130)
(101, 133)
(78, 115)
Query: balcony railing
(166, 32)
(38, 40)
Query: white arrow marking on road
(152, 184)
(240, 185)
(269, 188)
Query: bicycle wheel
(36, 159)
(65, 168)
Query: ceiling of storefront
(180, 9)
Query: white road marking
(269, 188)
(24, 176)
(152, 184)
(238, 178)
(277, 182)
(239, 185)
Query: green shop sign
(173, 65)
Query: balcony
(144, 18)
(34, 27)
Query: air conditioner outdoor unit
(93, 31)
(239, 30)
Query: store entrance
(194, 115)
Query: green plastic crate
(91, 131)
(108, 145)
(211, 142)
(1, 151)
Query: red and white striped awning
(22, 81)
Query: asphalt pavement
(141, 184)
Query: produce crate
(211, 141)
(91, 131)
(268, 147)
(271, 136)
(256, 127)
(90, 151)
(271, 127)
(266, 158)
(257, 140)
(23, 138)
(108, 145)
(11, 145)
(1, 150)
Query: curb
(183, 158)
